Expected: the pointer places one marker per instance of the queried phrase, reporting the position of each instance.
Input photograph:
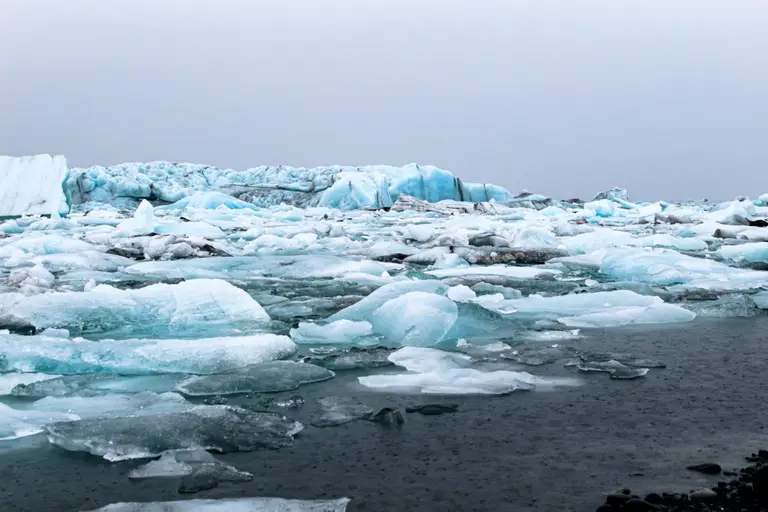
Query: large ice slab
(231, 505)
(269, 377)
(209, 427)
(140, 356)
(32, 185)
(599, 309)
(372, 186)
(191, 308)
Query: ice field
(134, 299)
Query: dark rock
(433, 409)
(616, 499)
(704, 495)
(638, 505)
(655, 499)
(387, 416)
(708, 468)
(758, 223)
(605, 508)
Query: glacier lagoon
(177, 306)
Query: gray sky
(668, 98)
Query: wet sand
(530, 451)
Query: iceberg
(32, 185)
(218, 428)
(374, 186)
(231, 505)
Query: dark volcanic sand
(542, 451)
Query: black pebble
(708, 468)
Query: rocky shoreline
(746, 491)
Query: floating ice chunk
(200, 471)
(461, 293)
(195, 307)
(113, 405)
(673, 242)
(506, 292)
(419, 232)
(427, 360)
(172, 463)
(338, 410)
(600, 238)
(727, 306)
(592, 309)
(209, 427)
(551, 336)
(16, 423)
(142, 223)
(354, 358)
(450, 260)
(340, 331)
(667, 267)
(434, 373)
(495, 270)
(601, 208)
(231, 505)
(210, 200)
(36, 245)
(32, 185)
(756, 252)
(9, 381)
(617, 316)
(269, 377)
(416, 318)
(535, 237)
(617, 194)
(86, 260)
(142, 356)
(363, 310)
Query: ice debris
(219, 428)
(231, 505)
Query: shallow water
(528, 451)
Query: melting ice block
(16, 423)
(209, 427)
(32, 185)
(141, 356)
(437, 372)
(232, 505)
(113, 405)
(195, 307)
(270, 377)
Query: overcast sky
(668, 98)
